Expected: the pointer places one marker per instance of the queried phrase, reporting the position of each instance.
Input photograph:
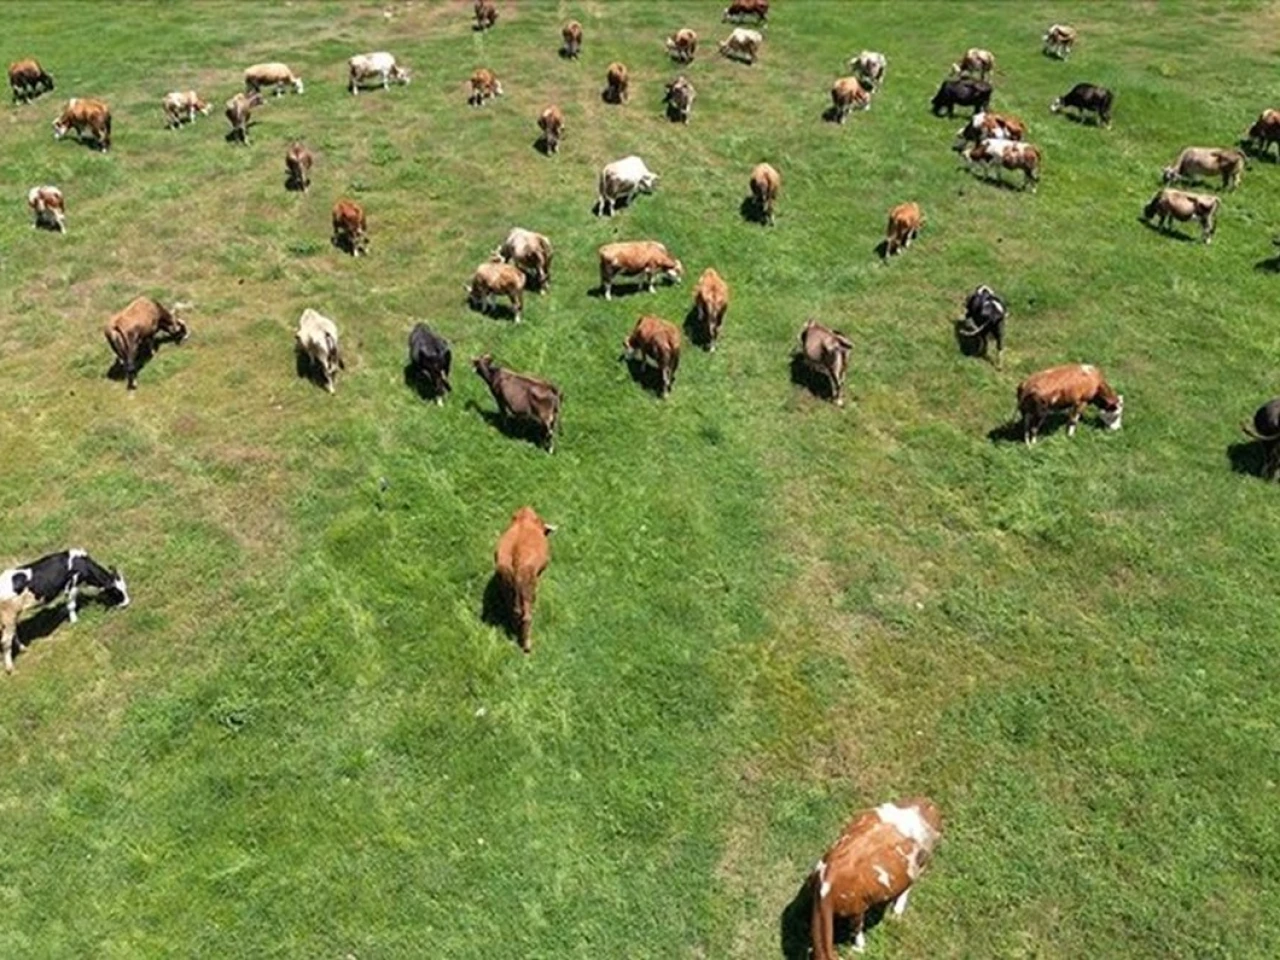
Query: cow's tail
(106, 140)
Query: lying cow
(826, 352)
(1266, 430)
(679, 99)
(905, 224)
(523, 398)
(275, 75)
(984, 316)
(239, 114)
(484, 86)
(571, 34)
(961, 93)
(616, 84)
(874, 863)
(1001, 155)
(846, 95)
(48, 208)
(486, 14)
(380, 66)
(710, 303)
(1071, 387)
(682, 45)
(430, 360)
(646, 258)
(1059, 40)
(350, 230)
(746, 8)
(975, 61)
(317, 343)
(551, 123)
(765, 185)
(1170, 204)
(493, 279)
(654, 340)
(133, 333)
(28, 79)
(43, 581)
(1087, 97)
(869, 67)
(297, 165)
(531, 252)
(81, 114)
(519, 561)
(742, 45)
(1264, 132)
(181, 107)
(990, 126)
(620, 181)
(1196, 163)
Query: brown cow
(682, 45)
(654, 339)
(905, 223)
(27, 79)
(1059, 40)
(520, 559)
(572, 36)
(493, 279)
(826, 351)
(48, 207)
(82, 113)
(486, 14)
(847, 93)
(1264, 132)
(1180, 205)
(975, 61)
(297, 163)
(710, 302)
(551, 123)
(633, 258)
(1073, 386)
(181, 107)
(132, 333)
(350, 231)
(484, 85)
(617, 84)
(524, 398)
(747, 8)
(278, 76)
(874, 863)
(765, 184)
(239, 112)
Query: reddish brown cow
(905, 223)
(551, 123)
(639, 257)
(133, 333)
(710, 303)
(493, 279)
(1264, 132)
(572, 36)
(747, 8)
(82, 113)
(297, 163)
(765, 186)
(27, 79)
(48, 207)
(1072, 387)
(654, 339)
(350, 231)
(518, 562)
(617, 84)
(484, 85)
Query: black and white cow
(45, 580)
(430, 359)
(984, 314)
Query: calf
(297, 164)
(486, 14)
(1266, 430)
(1072, 387)
(1178, 205)
(494, 279)
(654, 339)
(48, 208)
(430, 360)
(846, 94)
(1059, 40)
(531, 252)
(682, 45)
(317, 343)
(905, 223)
(869, 67)
(984, 315)
(572, 37)
(1195, 163)
(961, 93)
(765, 185)
(746, 8)
(239, 113)
(710, 303)
(826, 352)
(975, 61)
(646, 258)
(27, 79)
(1087, 97)
(551, 123)
(875, 862)
(43, 581)
(616, 84)
(521, 397)
(181, 107)
(1264, 132)
(133, 333)
(275, 75)
(519, 561)
(484, 86)
(742, 45)
(1002, 155)
(380, 66)
(990, 126)
(620, 181)
(350, 230)
(82, 114)
(679, 99)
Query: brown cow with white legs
(1196, 163)
(81, 114)
(239, 113)
(519, 561)
(846, 94)
(655, 340)
(48, 208)
(522, 397)
(350, 230)
(826, 352)
(682, 45)
(297, 164)
(551, 123)
(181, 107)
(617, 84)
(571, 34)
(646, 258)
(710, 303)
(1179, 205)
(1071, 387)
(493, 279)
(484, 86)
(133, 333)
(766, 184)
(278, 76)
(905, 223)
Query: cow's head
(297, 84)
(45, 81)
(202, 106)
(1169, 174)
(1055, 106)
(119, 588)
(483, 365)
(1110, 412)
(497, 87)
(60, 128)
(1152, 207)
(401, 74)
(647, 182)
(675, 273)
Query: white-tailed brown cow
(905, 223)
(1264, 132)
(1173, 204)
(1196, 163)
(317, 342)
(239, 114)
(181, 106)
(133, 333)
(551, 123)
(350, 230)
(484, 86)
(493, 279)
(380, 67)
(766, 184)
(620, 181)
(682, 45)
(486, 14)
(742, 44)
(297, 164)
(531, 252)
(710, 303)
(571, 34)
(975, 62)
(519, 561)
(655, 340)
(1071, 387)
(846, 94)
(1058, 41)
(826, 352)
(617, 84)
(28, 79)
(523, 398)
(81, 114)
(679, 99)
(48, 208)
(1001, 155)
(275, 75)
(646, 258)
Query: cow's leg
(822, 926)
(859, 934)
(1074, 418)
(8, 631)
(900, 904)
(71, 601)
(648, 281)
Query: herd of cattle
(883, 850)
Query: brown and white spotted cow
(81, 114)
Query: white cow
(317, 339)
(622, 180)
(742, 44)
(381, 65)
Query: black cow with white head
(984, 315)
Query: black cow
(1086, 96)
(43, 581)
(430, 360)
(961, 93)
(984, 313)
(1266, 430)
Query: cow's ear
(548, 529)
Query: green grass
(762, 613)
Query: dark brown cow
(27, 79)
(617, 84)
(518, 562)
(521, 397)
(297, 163)
(710, 303)
(82, 113)
(486, 14)
(1266, 430)
(350, 231)
(654, 339)
(133, 333)
(572, 36)
(551, 123)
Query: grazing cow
(43, 581)
(317, 343)
(742, 45)
(350, 230)
(297, 163)
(679, 99)
(1266, 430)
(27, 79)
(846, 94)
(710, 303)
(961, 93)
(654, 339)
(682, 45)
(551, 123)
(746, 8)
(239, 113)
(875, 862)
(1002, 155)
(1179, 205)
(484, 85)
(494, 279)
(1264, 132)
(975, 61)
(486, 14)
(1059, 41)
(905, 223)
(531, 252)
(572, 36)
(869, 67)
(620, 181)
(48, 208)
(181, 107)
(984, 315)
(1196, 163)
(430, 360)
(521, 397)
(616, 84)
(379, 66)
(765, 185)
(518, 562)
(275, 75)
(1073, 386)
(133, 333)
(1087, 97)
(990, 126)
(826, 352)
(82, 113)
(646, 258)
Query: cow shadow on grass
(695, 330)
(46, 621)
(344, 243)
(648, 376)
(421, 384)
(1248, 457)
(805, 376)
(611, 96)
(294, 184)
(751, 211)
(831, 115)
(513, 428)
(1084, 119)
(240, 136)
(1168, 231)
(999, 183)
(499, 311)
(1254, 152)
(1268, 265)
(622, 203)
(542, 146)
(495, 609)
(308, 369)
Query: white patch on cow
(907, 821)
(1088, 367)
(123, 590)
(882, 875)
(825, 887)
(859, 942)
(7, 592)
(900, 904)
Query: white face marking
(882, 875)
(907, 821)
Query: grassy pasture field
(762, 613)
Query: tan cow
(275, 75)
(1172, 204)
(181, 107)
(655, 340)
(1264, 132)
(551, 123)
(297, 164)
(1059, 40)
(826, 352)
(905, 224)
(48, 208)
(484, 86)
(682, 45)
(350, 230)
(571, 34)
(133, 333)
(766, 183)
(1196, 163)
(742, 44)
(239, 113)
(975, 62)
(531, 252)
(28, 79)
(617, 84)
(519, 561)
(646, 258)
(710, 303)
(846, 94)
(317, 341)
(82, 113)
(1072, 387)
(486, 14)
(493, 279)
